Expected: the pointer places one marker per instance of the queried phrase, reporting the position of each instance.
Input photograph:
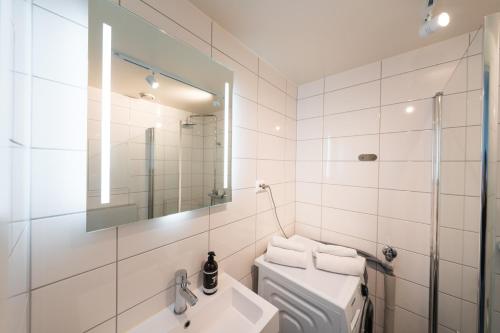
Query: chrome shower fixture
(432, 24)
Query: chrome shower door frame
(488, 195)
(434, 249)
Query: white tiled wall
(108, 281)
(385, 108)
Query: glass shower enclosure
(465, 228)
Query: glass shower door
(454, 228)
(466, 233)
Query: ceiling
(308, 39)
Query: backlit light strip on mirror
(105, 114)
(226, 133)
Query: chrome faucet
(182, 293)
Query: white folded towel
(340, 251)
(287, 244)
(285, 257)
(341, 265)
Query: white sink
(234, 308)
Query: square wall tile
(271, 97)
(244, 113)
(309, 150)
(244, 143)
(350, 223)
(406, 146)
(410, 176)
(358, 97)
(352, 123)
(310, 129)
(59, 48)
(453, 144)
(244, 173)
(76, 304)
(357, 199)
(351, 173)
(451, 211)
(240, 263)
(451, 244)
(271, 122)
(412, 296)
(311, 88)
(58, 182)
(309, 171)
(354, 76)
(308, 193)
(308, 214)
(407, 116)
(271, 75)
(310, 107)
(61, 247)
(406, 205)
(454, 113)
(231, 238)
(58, 122)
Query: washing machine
(311, 300)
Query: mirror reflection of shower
(215, 193)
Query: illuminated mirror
(159, 122)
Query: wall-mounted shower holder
(390, 253)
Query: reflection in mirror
(159, 122)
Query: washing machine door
(367, 323)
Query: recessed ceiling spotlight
(152, 81)
(432, 24)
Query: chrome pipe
(150, 156)
(434, 250)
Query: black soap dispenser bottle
(210, 270)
